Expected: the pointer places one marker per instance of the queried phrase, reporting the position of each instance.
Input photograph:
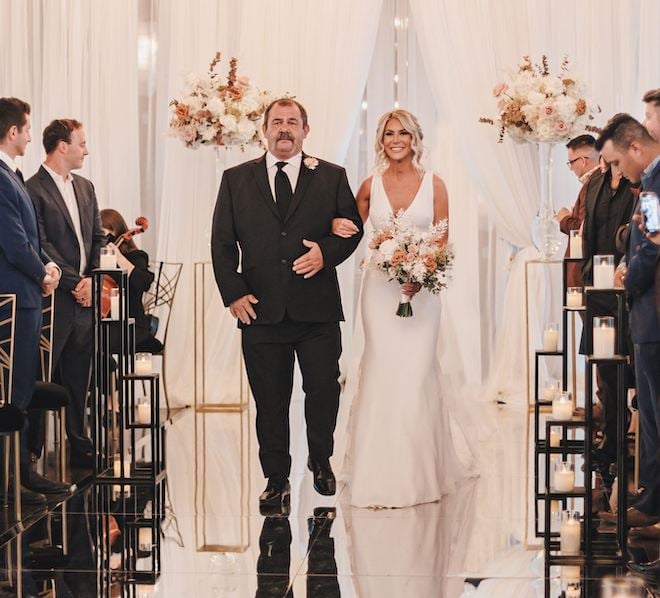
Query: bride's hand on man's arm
(410, 289)
(343, 227)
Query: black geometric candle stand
(124, 482)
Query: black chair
(158, 301)
(48, 396)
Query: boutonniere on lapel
(311, 162)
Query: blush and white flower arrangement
(408, 255)
(537, 106)
(218, 111)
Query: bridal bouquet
(537, 106)
(408, 255)
(214, 111)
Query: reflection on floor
(215, 544)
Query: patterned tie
(19, 174)
(283, 191)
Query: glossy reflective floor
(214, 543)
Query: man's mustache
(283, 136)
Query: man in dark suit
(278, 210)
(627, 144)
(609, 199)
(25, 271)
(71, 232)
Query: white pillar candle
(116, 491)
(562, 407)
(116, 468)
(550, 338)
(573, 590)
(574, 297)
(563, 478)
(569, 534)
(144, 538)
(603, 341)
(570, 574)
(575, 248)
(555, 438)
(114, 307)
(554, 506)
(143, 363)
(108, 261)
(603, 271)
(144, 413)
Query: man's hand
(48, 285)
(243, 310)
(344, 228)
(563, 212)
(654, 237)
(311, 263)
(51, 280)
(619, 276)
(83, 292)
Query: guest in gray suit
(71, 232)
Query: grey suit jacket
(58, 236)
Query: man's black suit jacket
(247, 226)
(58, 236)
(620, 215)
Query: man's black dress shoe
(321, 523)
(649, 570)
(28, 497)
(38, 483)
(82, 460)
(324, 479)
(276, 498)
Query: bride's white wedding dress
(400, 451)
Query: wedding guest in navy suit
(25, 271)
(625, 143)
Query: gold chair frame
(162, 295)
(11, 440)
(202, 409)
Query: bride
(400, 452)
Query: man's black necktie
(19, 174)
(283, 191)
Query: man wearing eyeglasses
(583, 161)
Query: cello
(142, 224)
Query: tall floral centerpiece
(218, 111)
(539, 107)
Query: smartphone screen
(650, 208)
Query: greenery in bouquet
(408, 255)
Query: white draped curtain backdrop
(77, 59)
(467, 47)
(318, 52)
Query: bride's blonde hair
(410, 123)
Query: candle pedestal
(130, 469)
(578, 548)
